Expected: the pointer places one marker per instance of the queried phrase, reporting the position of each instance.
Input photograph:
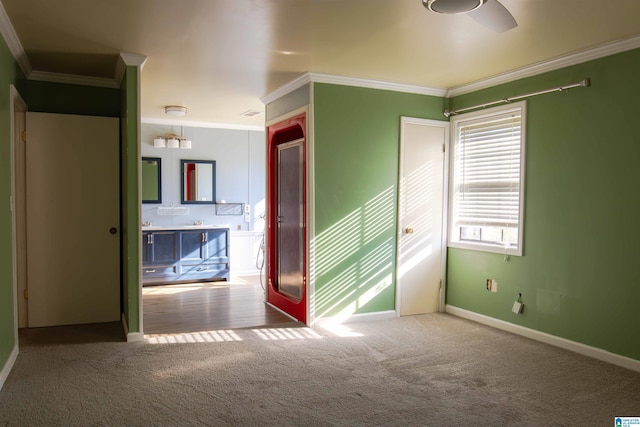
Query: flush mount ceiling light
(175, 110)
(452, 6)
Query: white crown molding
(133, 59)
(128, 59)
(576, 347)
(13, 42)
(349, 81)
(287, 88)
(46, 76)
(580, 57)
(168, 122)
(375, 84)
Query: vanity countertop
(184, 227)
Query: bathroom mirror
(151, 180)
(198, 181)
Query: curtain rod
(583, 83)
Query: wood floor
(209, 306)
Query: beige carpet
(430, 370)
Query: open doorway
(209, 306)
(234, 297)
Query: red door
(286, 226)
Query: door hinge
(23, 136)
(440, 283)
(26, 294)
(444, 148)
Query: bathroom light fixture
(171, 140)
(175, 110)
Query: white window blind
(487, 175)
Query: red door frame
(285, 131)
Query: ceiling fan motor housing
(452, 6)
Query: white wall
(240, 174)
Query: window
(487, 175)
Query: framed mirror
(198, 181)
(151, 180)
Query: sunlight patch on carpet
(273, 334)
(193, 337)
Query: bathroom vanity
(184, 254)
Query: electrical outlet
(517, 307)
(247, 217)
(492, 285)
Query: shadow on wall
(354, 258)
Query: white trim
(13, 42)
(8, 366)
(356, 318)
(283, 90)
(138, 336)
(127, 59)
(557, 63)
(133, 59)
(131, 336)
(349, 81)
(169, 122)
(311, 208)
(13, 99)
(46, 76)
(376, 84)
(576, 347)
(287, 116)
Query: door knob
(408, 230)
(113, 230)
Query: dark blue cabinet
(180, 255)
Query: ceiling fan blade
(494, 16)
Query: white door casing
(420, 266)
(19, 113)
(73, 236)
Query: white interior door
(420, 225)
(73, 243)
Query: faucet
(198, 222)
(146, 224)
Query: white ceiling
(219, 57)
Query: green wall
(9, 74)
(579, 274)
(61, 98)
(356, 149)
(130, 221)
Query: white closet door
(73, 235)
(420, 216)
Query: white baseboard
(576, 347)
(357, 318)
(4, 374)
(131, 336)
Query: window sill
(486, 247)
